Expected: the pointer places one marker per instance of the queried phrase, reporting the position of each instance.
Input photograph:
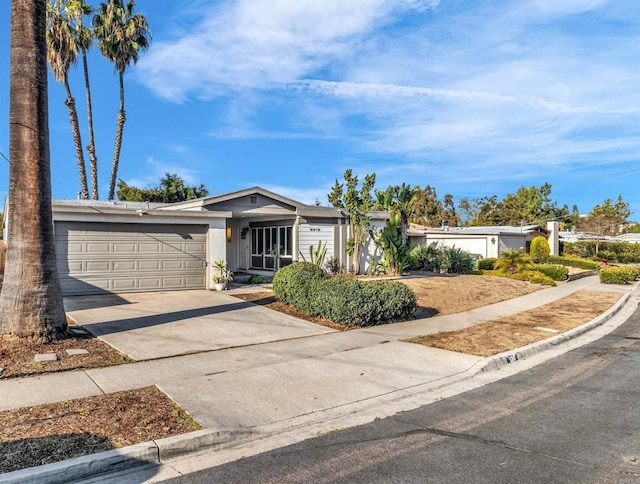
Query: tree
(605, 219)
(358, 202)
(398, 199)
(62, 53)
(172, 189)
(539, 250)
(122, 35)
(31, 298)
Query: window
(271, 246)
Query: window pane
(282, 241)
(259, 248)
(256, 261)
(267, 240)
(289, 241)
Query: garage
(98, 257)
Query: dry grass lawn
(43, 434)
(512, 332)
(440, 295)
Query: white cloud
(262, 43)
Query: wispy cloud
(262, 43)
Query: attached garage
(98, 257)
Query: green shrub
(486, 264)
(496, 273)
(626, 252)
(573, 262)
(555, 272)
(607, 256)
(455, 261)
(424, 258)
(619, 275)
(539, 250)
(533, 277)
(295, 283)
(256, 279)
(351, 302)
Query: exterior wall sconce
(243, 232)
(493, 240)
(229, 234)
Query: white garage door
(97, 257)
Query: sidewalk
(271, 387)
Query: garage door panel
(98, 257)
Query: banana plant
(394, 250)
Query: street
(575, 418)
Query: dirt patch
(493, 337)
(17, 355)
(43, 434)
(440, 295)
(268, 300)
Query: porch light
(493, 240)
(229, 235)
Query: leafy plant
(539, 250)
(295, 283)
(514, 260)
(486, 264)
(316, 254)
(424, 258)
(533, 277)
(333, 266)
(224, 274)
(555, 272)
(619, 275)
(256, 279)
(394, 250)
(455, 260)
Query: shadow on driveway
(155, 319)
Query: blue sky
(474, 97)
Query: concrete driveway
(161, 324)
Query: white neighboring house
(485, 241)
(120, 247)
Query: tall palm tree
(31, 299)
(62, 53)
(122, 35)
(84, 36)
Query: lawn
(493, 337)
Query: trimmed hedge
(352, 302)
(573, 262)
(555, 272)
(533, 277)
(626, 252)
(619, 275)
(294, 284)
(486, 264)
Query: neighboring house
(589, 237)
(485, 241)
(124, 247)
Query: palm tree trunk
(31, 299)
(118, 144)
(91, 149)
(70, 102)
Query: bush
(486, 264)
(352, 302)
(607, 256)
(334, 266)
(256, 279)
(533, 277)
(455, 261)
(295, 283)
(424, 258)
(496, 273)
(539, 250)
(555, 272)
(619, 275)
(626, 252)
(573, 262)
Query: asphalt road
(575, 418)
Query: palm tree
(513, 260)
(84, 36)
(121, 35)
(62, 53)
(31, 299)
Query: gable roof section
(224, 197)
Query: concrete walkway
(272, 367)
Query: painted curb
(511, 356)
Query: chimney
(554, 241)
